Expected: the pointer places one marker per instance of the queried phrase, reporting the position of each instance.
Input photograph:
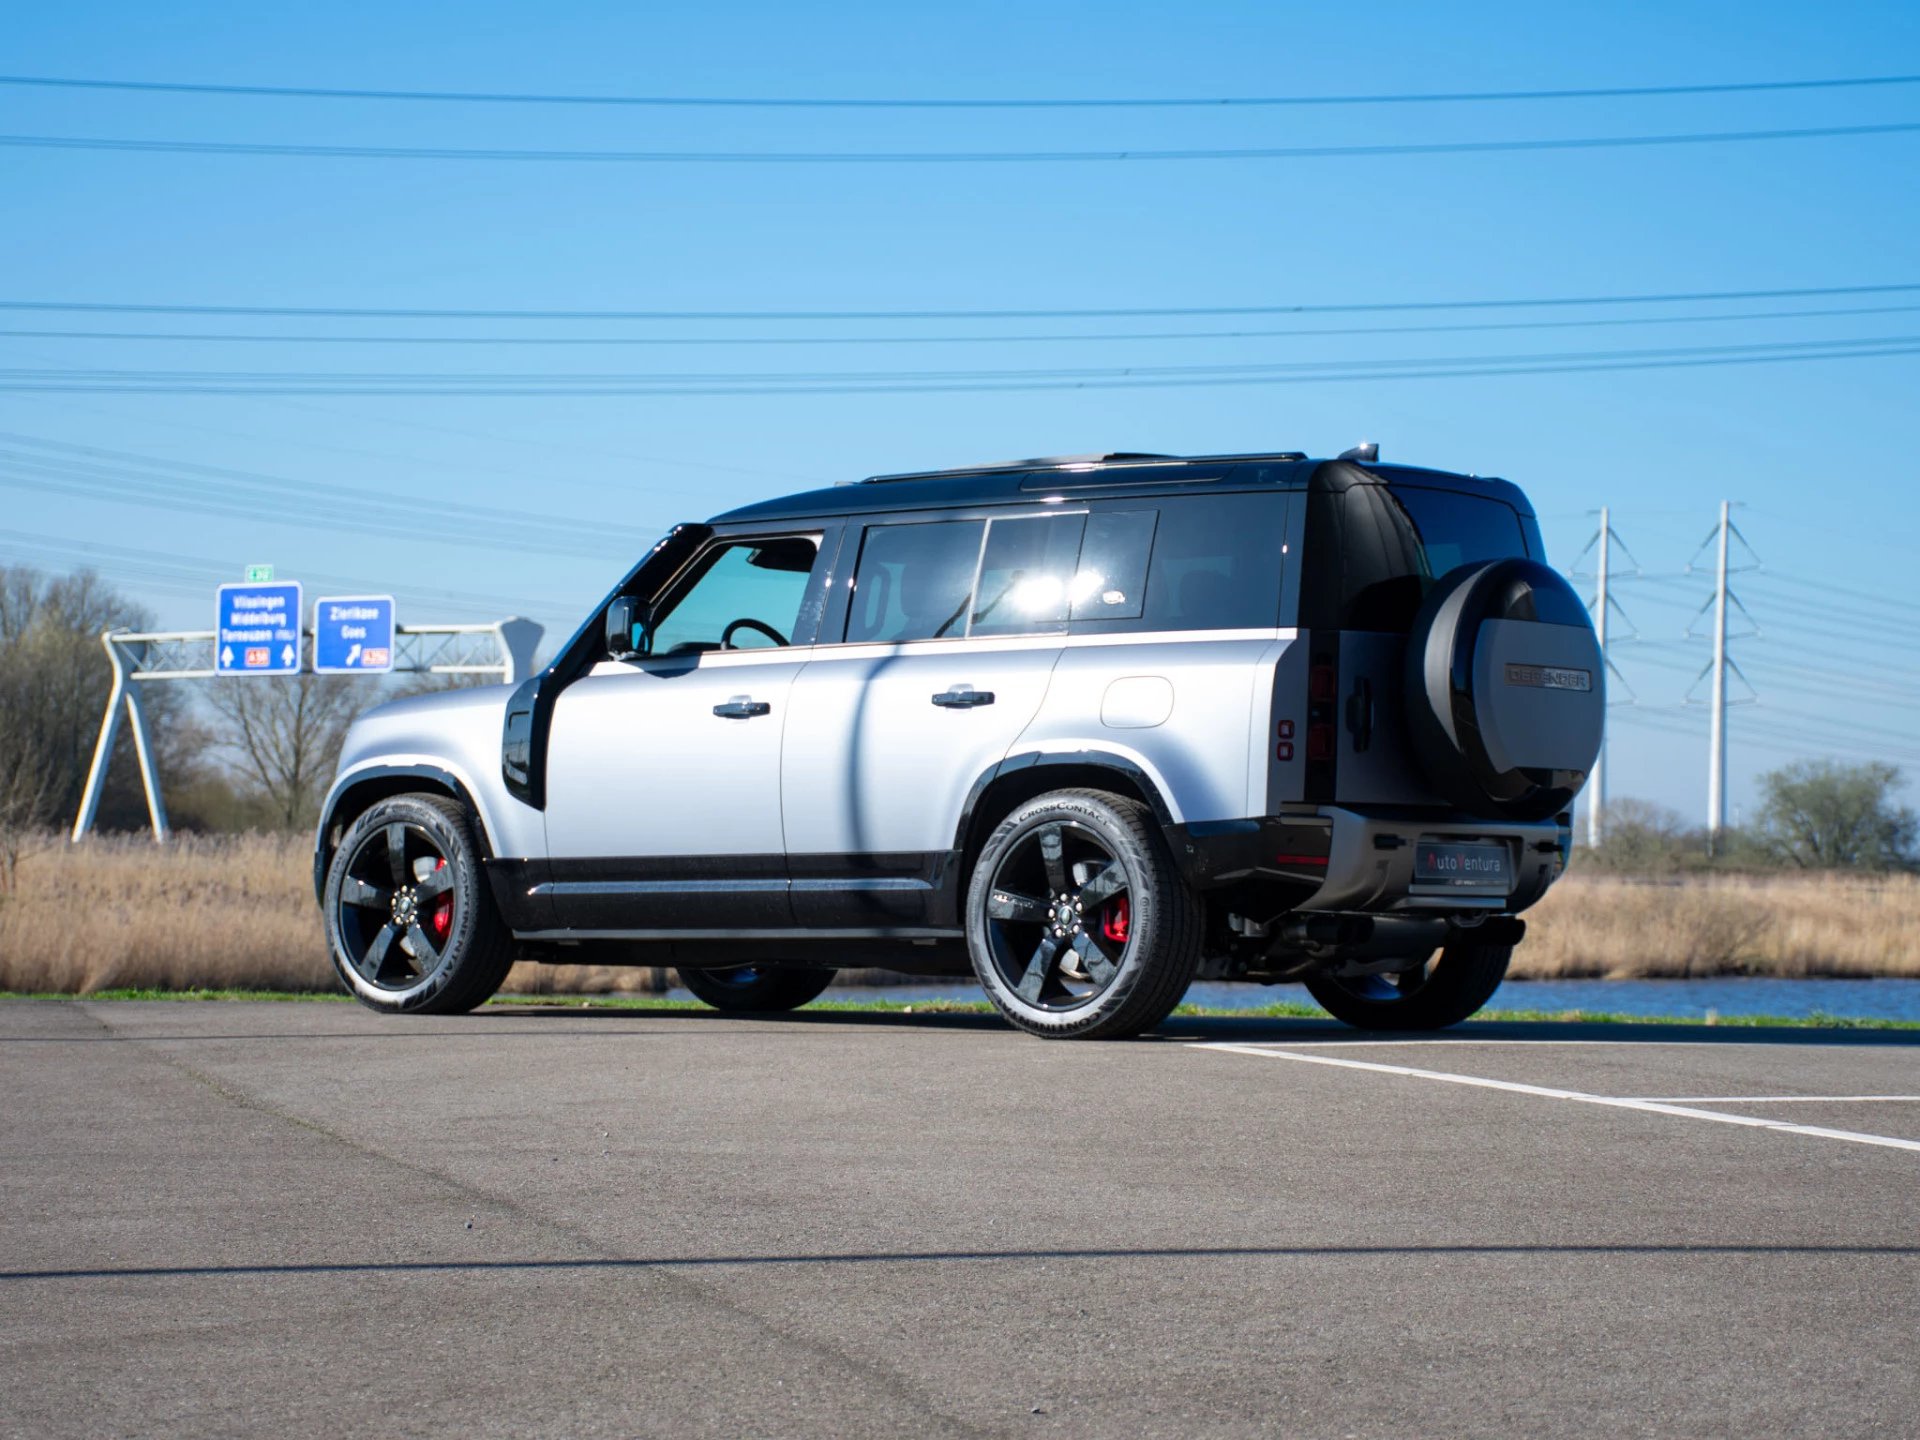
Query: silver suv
(1085, 728)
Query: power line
(1146, 377)
(498, 97)
(340, 312)
(191, 574)
(945, 157)
(378, 377)
(1066, 337)
(94, 472)
(288, 492)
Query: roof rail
(1077, 462)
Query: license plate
(1462, 866)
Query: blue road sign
(353, 634)
(258, 630)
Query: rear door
(1374, 546)
(945, 645)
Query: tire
(1440, 993)
(754, 987)
(445, 949)
(1053, 966)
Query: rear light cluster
(1323, 687)
(1321, 741)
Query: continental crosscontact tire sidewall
(1163, 951)
(478, 950)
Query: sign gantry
(503, 649)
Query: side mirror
(629, 633)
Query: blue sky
(1819, 451)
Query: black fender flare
(1136, 776)
(381, 777)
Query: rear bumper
(1362, 860)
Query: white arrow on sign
(226, 656)
(286, 656)
(353, 656)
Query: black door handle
(963, 697)
(742, 709)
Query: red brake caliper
(1114, 920)
(442, 917)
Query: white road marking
(1547, 1092)
(1778, 1099)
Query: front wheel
(757, 987)
(410, 923)
(1430, 996)
(1079, 924)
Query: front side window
(742, 596)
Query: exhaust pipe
(1494, 930)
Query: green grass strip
(1278, 1010)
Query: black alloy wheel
(1431, 995)
(746, 988)
(409, 922)
(1078, 923)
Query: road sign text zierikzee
(353, 635)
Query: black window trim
(812, 601)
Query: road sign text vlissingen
(353, 635)
(257, 630)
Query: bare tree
(54, 682)
(285, 735)
(1823, 815)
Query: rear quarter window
(1211, 562)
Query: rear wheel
(1437, 993)
(758, 987)
(410, 923)
(1078, 923)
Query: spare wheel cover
(1506, 691)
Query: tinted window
(913, 581)
(1215, 564)
(1026, 575)
(758, 581)
(1373, 551)
(1456, 529)
(1111, 583)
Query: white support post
(103, 747)
(1717, 728)
(1597, 788)
(518, 640)
(149, 770)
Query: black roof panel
(1020, 482)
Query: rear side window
(1209, 562)
(1373, 551)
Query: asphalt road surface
(225, 1219)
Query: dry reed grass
(238, 912)
(1788, 924)
(210, 912)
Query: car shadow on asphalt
(1269, 1029)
